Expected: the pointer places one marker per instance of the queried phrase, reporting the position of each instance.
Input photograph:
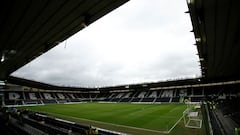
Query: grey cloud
(83, 62)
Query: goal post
(191, 116)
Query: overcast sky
(141, 41)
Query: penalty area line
(175, 124)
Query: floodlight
(3, 57)
(84, 24)
(190, 1)
(201, 59)
(198, 39)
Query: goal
(191, 116)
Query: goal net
(191, 116)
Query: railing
(206, 119)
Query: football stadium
(204, 105)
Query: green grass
(109, 115)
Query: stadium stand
(216, 29)
(224, 116)
(24, 122)
(22, 96)
(127, 97)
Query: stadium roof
(40, 85)
(29, 28)
(216, 25)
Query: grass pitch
(158, 118)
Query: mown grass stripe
(145, 117)
(100, 122)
